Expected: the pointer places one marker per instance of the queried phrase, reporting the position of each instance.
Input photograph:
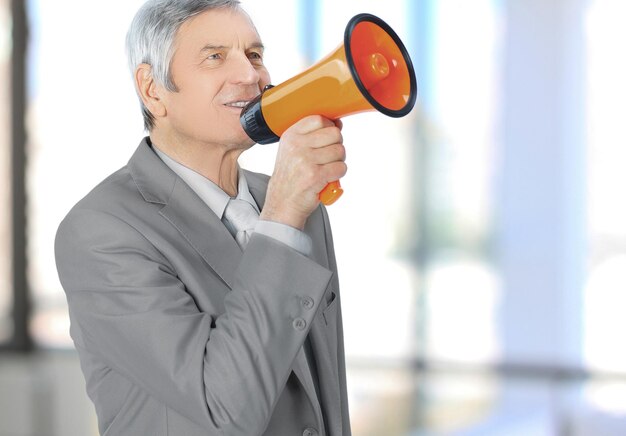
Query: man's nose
(243, 71)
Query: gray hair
(150, 38)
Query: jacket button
(299, 324)
(307, 303)
(310, 432)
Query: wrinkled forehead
(223, 26)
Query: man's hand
(310, 155)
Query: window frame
(20, 339)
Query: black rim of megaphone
(355, 75)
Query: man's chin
(240, 143)
(246, 142)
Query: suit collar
(184, 210)
(153, 178)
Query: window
(83, 124)
(461, 284)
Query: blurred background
(481, 240)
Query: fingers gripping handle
(331, 193)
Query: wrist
(290, 218)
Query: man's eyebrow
(258, 45)
(209, 47)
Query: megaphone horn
(370, 71)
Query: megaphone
(370, 71)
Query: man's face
(217, 68)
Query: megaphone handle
(331, 193)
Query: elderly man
(204, 298)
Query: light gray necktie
(242, 216)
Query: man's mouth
(237, 104)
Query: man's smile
(239, 100)
(237, 104)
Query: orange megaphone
(371, 70)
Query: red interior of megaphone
(380, 62)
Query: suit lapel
(182, 207)
(204, 231)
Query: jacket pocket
(330, 311)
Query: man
(188, 322)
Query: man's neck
(215, 162)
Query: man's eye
(255, 55)
(214, 56)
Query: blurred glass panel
(606, 92)
(461, 286)
(466, 77)
(461, 311)
(6, 287)
(83, 123)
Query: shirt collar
(214, 197)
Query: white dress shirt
(217, 200)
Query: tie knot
(243, 217)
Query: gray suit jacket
(179, 333)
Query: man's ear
(149, 90)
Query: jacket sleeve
(128, 306)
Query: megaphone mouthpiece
(372, 69)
